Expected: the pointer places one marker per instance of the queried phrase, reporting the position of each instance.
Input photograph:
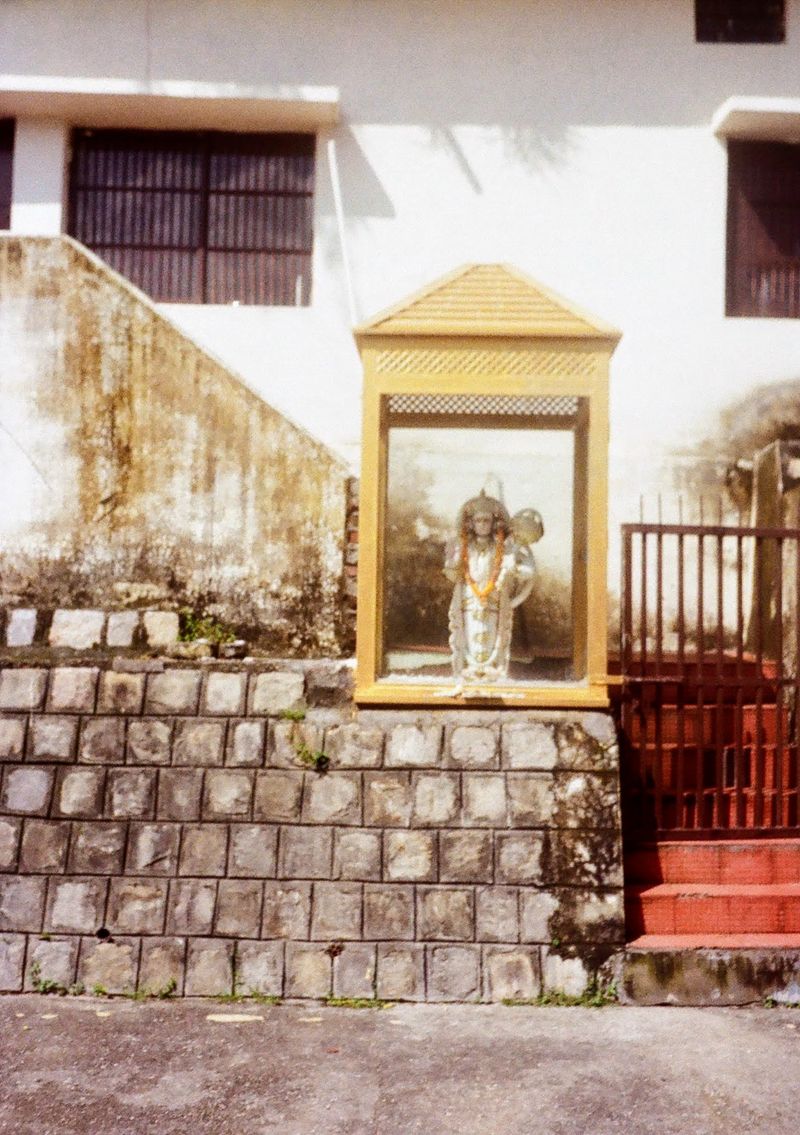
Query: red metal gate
(710, 683)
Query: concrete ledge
(709, 976)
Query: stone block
(12, 738)
(510, 973)
(401, 972)
(472, 746)
(588, 742)
(484, 800)
(336, 911)
(78, 629)
(76, 905)
(278, 796)
(287, 739)
(209, 968)
(52, 960)
(276, 692)
(153, 849)
(79, 792)
(529, 745)
(228, 793)
(585, 859)
(137, 906)
(246, 744)
(354, 971)
(332, 799)
(179, 791)
(387, 799)
(591, 916)
(12, 960)
(389, 912)
(73, 689)
(224, 695)
(530, 799)
(149, 742)
(356, 855)
(465, 857)
(435, 799)
(497, 914)
(308, 970)
(410, 856)
(97, 848)
(287, 910)
(259, 967)
(120, 693)
(161, 966)
(174, 691)
(586, 800)
(413, 746)
(109, 967)
(329, 683)
(121, 628)
(191, 906)
(564, 974)
(22, 689)
(354, 746)
(52, 739)
(306, 853)
(253, 851)
(21, 626)
(445, 914)
(9, 843)
(44, 847)
(204, 850)
(132, 792)
(198, 743)
(27, 790)
(21, 902)
(518, 857)
(102, 741)
(454, 973)
(160, 628)
(239, 907)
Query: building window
(739, 21)
(6, 165)
(198, 217)
(763, 229)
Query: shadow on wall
(139, 461)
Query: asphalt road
(79, 1065)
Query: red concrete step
(715, 941)
(703, 908)
(728, 861)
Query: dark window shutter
(6, 167)
(739, 21)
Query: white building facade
(585, 144)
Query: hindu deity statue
(492, 567)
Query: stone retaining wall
(163, 825)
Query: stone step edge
(639, 892)
(670, 942)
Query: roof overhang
(169, 104)
(758, 119)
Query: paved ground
(127, 1068)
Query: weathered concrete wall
(444, 855)
(131, 457)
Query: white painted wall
(38, 177)
(570, 139)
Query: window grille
(198, 217)
(739, 21)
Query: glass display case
(482, 573)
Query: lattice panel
(501, 363)
(482, 404)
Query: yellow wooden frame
(537, 362)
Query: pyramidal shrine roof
(487, 299)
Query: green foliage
(357, 1003)
(195, 625)
(312, 758)
(163, 993)
(595, 996)
(99, 990)
(292, 715)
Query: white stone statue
(492, 567)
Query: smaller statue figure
(492, 568)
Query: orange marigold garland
(483, 593)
